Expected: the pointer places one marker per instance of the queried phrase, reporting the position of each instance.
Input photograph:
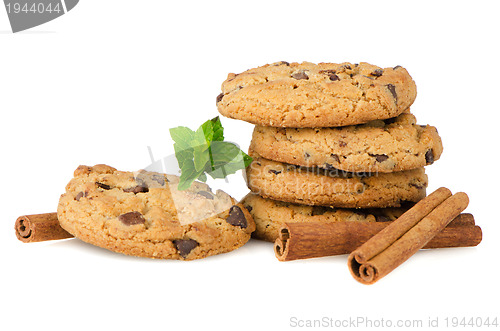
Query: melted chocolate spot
(282, 63)
(377, 72)
(159, 179)
(103, 186)
(334, 77)
(417, 186)
(392, 89)
(331, 74)
(379, 157)
(219, 98)
(132, 218)
(429, 157)
(206, 194)
(300, 75)
(276, 172)
(137, 189)
(237, 217)
(185, 246)
(80, 195)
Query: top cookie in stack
(333, 135)
(299, 95)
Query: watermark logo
(26, 14)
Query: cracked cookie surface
(395, 144)
(305, 94)
(143, 214)
(335, 188)
(270, 215)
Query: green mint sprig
(204, 151)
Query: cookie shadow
(79, 245)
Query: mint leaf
(182, 136)
(201, 157)
(188, 175)
(227, 159)
(204, 151)
(218, 129)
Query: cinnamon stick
(317, 239)
(404, 237)
(39, 227)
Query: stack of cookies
(332, 142)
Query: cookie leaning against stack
(331, 135)
(143, 214)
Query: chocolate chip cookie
(316, 95)
(395, 144)
(270, 215)
(143, 214)
(335, 188)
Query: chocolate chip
(132, 218)
(237, 217)
(219, 98)
(429, 157)
(342, 143)
(300, 75)
(282, 63)
(206, 194)
(307, 155)
(103, 186)
(382, 218)
(377, 72)
(346, 67)
(331, 74)
(80, 195)
(318, 210)
(137, 189)
(160, 179)
(276, 172)
(392, 89)
(417, 186)
(334, 77)
(396, 67)
(249, 208)
(335, 157)
(379, 157)
(185, 246)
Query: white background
(109, 78)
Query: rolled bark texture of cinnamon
(318, 239)
(39, 227)
(405, 236)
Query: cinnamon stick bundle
(317, 239)
(39, 227)
(404, 237)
